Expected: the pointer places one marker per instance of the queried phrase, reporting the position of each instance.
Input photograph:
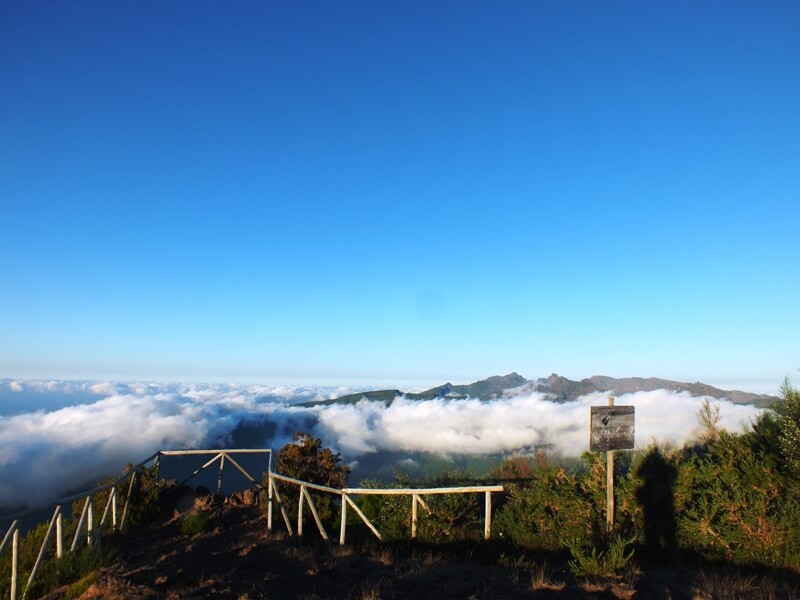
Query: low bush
(733, 504)
(448, 517)
(145, 504)
(55, 572)
(194, 524)
(600, 560)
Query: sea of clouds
(56, 435)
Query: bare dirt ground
(236, 557)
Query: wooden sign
(612, 428)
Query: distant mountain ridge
(558, 389)
(487, 389)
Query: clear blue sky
(403, 191)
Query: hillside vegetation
(720, 515)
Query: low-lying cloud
(530, 421)
(48, 450)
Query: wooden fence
(346, 493)
(86, 523)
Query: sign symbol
(612, 428)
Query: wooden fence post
(114, 507)
(315, 514)
(610, 483)
(269, 501)
(127, 501)
(80, 526)
(59, 535)
(414, 511)
(12, 535)
(14, 563)
(487, 529)
(285, 515)
(90, 523)
(300, 513)
(106, 510)
(9, 534)
(43, 549)
(363, 517)
(343, 525)
(221, 466)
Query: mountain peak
(556, 387)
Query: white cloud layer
(47, 451)
(518, 423)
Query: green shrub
(599, 560)
(77, 589)
(194, 524)
(542, 514)
(71, 567)
(452, 516)
(732, 504)
(390, 514)
(145, 504)
(554, 506)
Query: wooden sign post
(612, 428)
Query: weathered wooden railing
(345, 493)
(93, 534)
(222, 456)
(87, 521)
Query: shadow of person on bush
(655, 496)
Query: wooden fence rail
(56, 525)
(86, 522)
(345, 493)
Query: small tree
(305, 459)
(709, 419)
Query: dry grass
(612, 588)
(342, 551)
(734, 586)
(542, 578)
(79, 587)
(100, 590)
(428, 558)
(110, 589)
(368, 591)
(302, 553)
(277, 535)
(382, 555)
